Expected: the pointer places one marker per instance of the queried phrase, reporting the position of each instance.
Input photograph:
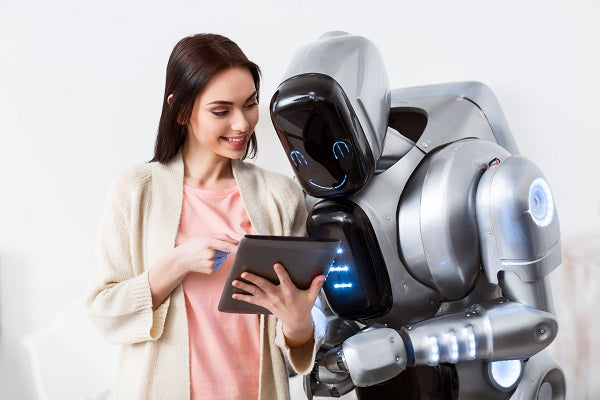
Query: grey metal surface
(355, 63)
(439, 241)
(543, 379)
(512, 240)
(374, 356)
(499, 330)
(412, 300)
(475, 383)
(394, 148)
(449, 118)
(477, 93)
(537, 294)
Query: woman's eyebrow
(229, 103)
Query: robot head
(331, 113)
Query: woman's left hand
(292, 306)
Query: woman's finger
(252, 289)
(248, 298)
(224, 237)
(284, 277)
(315, 287)
(221, 245)
(261, 282)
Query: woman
(169, 233)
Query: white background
(81, 85)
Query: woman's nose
(240, 122)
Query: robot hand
(328, 378)
(369, 357)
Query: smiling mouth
(235, 140)
(331, 187)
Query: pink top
(224, 347)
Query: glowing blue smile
(329, 188)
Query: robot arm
(499, 330)
(518, 231)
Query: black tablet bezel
(303, 257)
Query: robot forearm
(500, 330)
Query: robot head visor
(321, 135)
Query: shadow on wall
(576, 287)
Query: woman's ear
(170, 103)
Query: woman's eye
(219, 113)
(252, 105)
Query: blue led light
(453, 347)
(467, 336)
(340, 250)
(541, 203)
(343, 268)
(342, 285)
(434, 350)
(339, 146)
(297, 158)
(506, 373)
(329, 188)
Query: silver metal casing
(517, 220)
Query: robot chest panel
(438, 237)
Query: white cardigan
(137, 229)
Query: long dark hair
(193, 61)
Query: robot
(440, 289)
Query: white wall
(81, 87)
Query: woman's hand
(289, 304)
(203, 254)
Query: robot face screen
(321, 135)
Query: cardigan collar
(167, 196)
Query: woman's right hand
(204, 253)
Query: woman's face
(224, 114)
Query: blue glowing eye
(297, 158)
(340, 149)
(541, 203)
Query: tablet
(303, 258)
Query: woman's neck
(206, 170)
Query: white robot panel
(448, 234)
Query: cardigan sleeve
(297, 210)
(118, 297)
(302, 358)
